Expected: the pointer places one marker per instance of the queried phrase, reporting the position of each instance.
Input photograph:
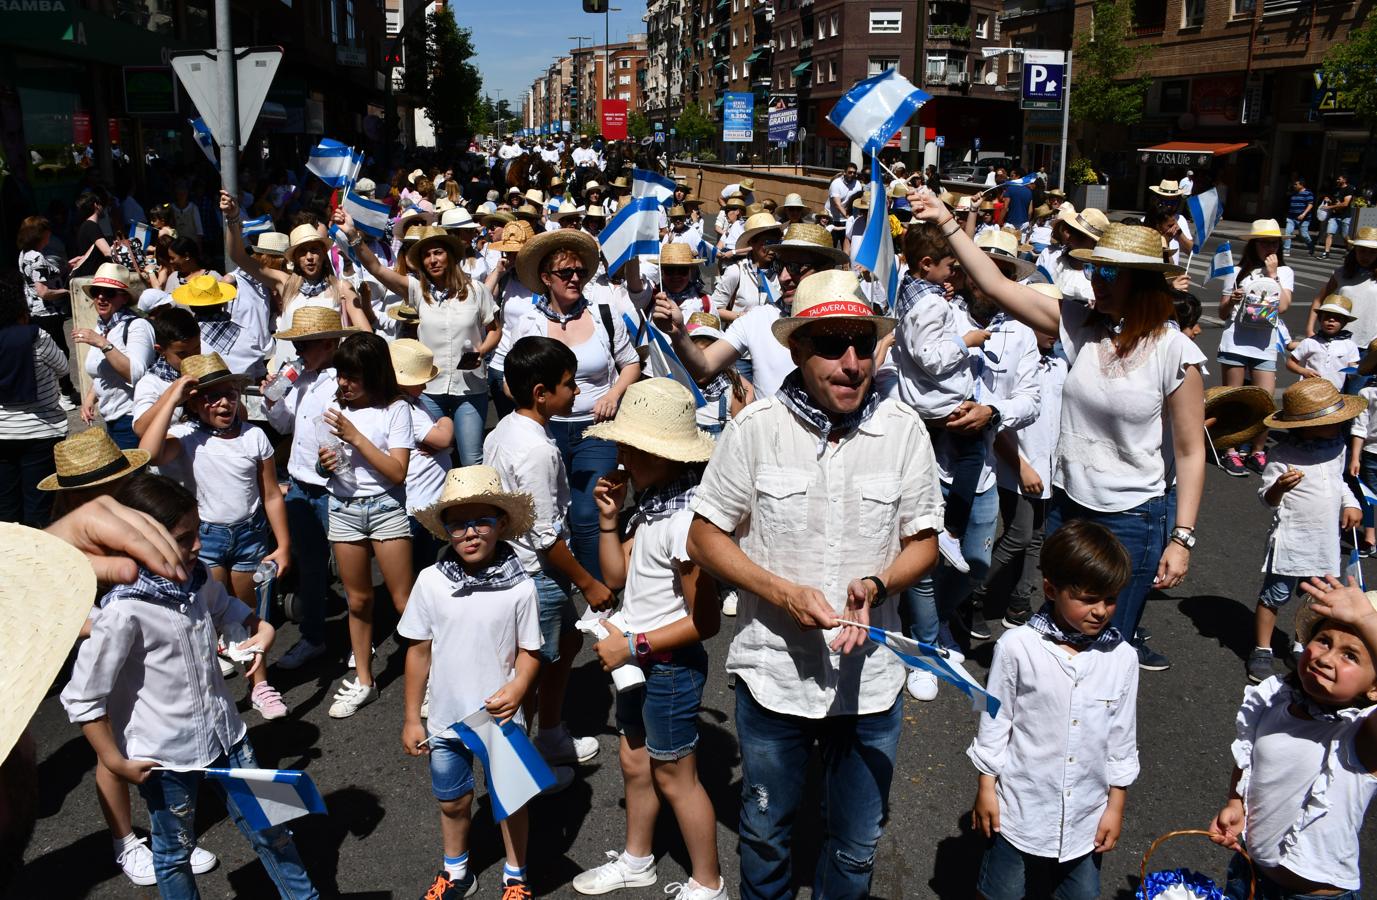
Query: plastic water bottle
(344, 469)
(266, 571)
(282, 382)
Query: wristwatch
(1184, 536)
(881, 591)
(995, 416)
(108, 347)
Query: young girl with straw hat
(670, 606)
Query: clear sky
(518, 39)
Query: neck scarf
(795, 396)
(713, 390)
(439, 294)
(163, 369)
(1341, 336)
(1330, 445)
(217, 328)
(157, 589)
(693, 292)
(1316, 711)
(311, 289)
(120, 315)
(547, 309)
(659, 502)
(1043, 623)
(503, 571)
(202, 425)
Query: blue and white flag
(872, 111)
(260, 225)
(141, 234)
(205, 140)
(370, 216)
(513, 769)
(265, 797)
(707, 251)
(1206, 211)
(918, 655)
(661, 360)
(333, 163)
(876, 252)
(1223, 262)
(338, 237)
(1025, 180)
(633, 231)
(1354, 567)
(646, 183)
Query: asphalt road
(381, 838)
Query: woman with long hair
(123, 351)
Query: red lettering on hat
(836, 308)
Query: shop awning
(802, 67)
(755, 54)
(1186, 153)
(718, 102)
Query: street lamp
(607, 51)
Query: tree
(638, 126)
(1350, 68)
(1102, 91)
(446, 82)
(692, 125)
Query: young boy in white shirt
(473, 622)
(1331, 350)
(1055, 763)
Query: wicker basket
(1143, 870)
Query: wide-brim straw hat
(792, 201)
(677, 255)
(457, 219)
(530, 212)
(1055, 192)
(704, 325)
(204, 290)
(812, 242)
(833, 295)
(535, 197)
(209, 369)
(412, 361)
(1366, 237)
(747, 184)
(861, 201)
(1312, 402)
(410, 218)
(568, 210)
(591, 186)
(1002, 247)
(1339, 305)
(444, 205)
(304, 236)
(1090, 222)
(315, 323)
(1308, 619)
(658, 416)
(431, 236)
(478, 484)
(756, 225)
(595, 212)
(515, 235)
(1264, 228)
(1238, 413)
(110, 275)
(530, 257)
(415, 173)
(497, 219)
(271, 243)
(1047, 290)
(1129, 247)
(38, 632)
(676, 212)
(897, 190)
(621, 184)
(1041, 211)
(734, 202)
(407, 315)
(364, 187)
(88, 459)
(1167, 188)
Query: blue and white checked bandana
(911, 289)
(795, 396)
(120, 315)
(311, 289)
(503, 571)
(548, 310)
(148, 586)
(665, 500)
(163, 369)
(217, 328)
(1043, 623)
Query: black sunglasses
(569, 272)
(834, 346)
(796, 268)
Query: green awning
(802, 67)
(720, 64)
(718, 102)
(720, 4)
(755, 54)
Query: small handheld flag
(872, 111)
(370, 216)
(513, 769)
(265, 797)
(1354, 568)
(205, 140)
(662, 361)
(333, 163)
(141, 234)
(633, 231)
(260, 225)
(918, 655)
(1223, 262)
(645, 183)
(1206, 211)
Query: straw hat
(1002, 247)
(209, 369)
(897, 190)
(734, 202)
(812, 243)
(861, 201)
(757, 225)
(515, 235)
(431, 236)
(535, 198)
(567, 210)
(1308, 620)
(621, 184)
(792, 201)
(407, 315)
(595, 212)
(1339, 305)
(497, 219)
(557, 181)
(1129, 247)
(38, 633)
(410, 218)
(364, 187)
(591, 186)
(513, 191)
(415, 173)
(677, 254)
(110, 275)
(479, 484)
(1366, 237)
(530, 212)
(1089, 222)
(458, 219)
(1238, 413)
(90, 458)
(271, 243)
(658, 416)
(747, 184)
(444, 205)
(412, 361)
(1167, 188)
(676, 212)
(830, 295)
(1264, 228)
(1055, 192)
(204, 290)
(533, 254)
(704, 325)
(315, 323)
(1041, 211)
(304, 236)
(692, 201)
(1311, 402)
(987, 206)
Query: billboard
(784, 125)
(738, 116)
(614, 120)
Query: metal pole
(1065, 119)
(228, 139)
(606, 56)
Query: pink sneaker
(268, 701)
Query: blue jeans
(585, 461)
(308, 519)
(1143, 532)
(1236, 888)
(555, 607)
(1294, 225)
(1367, 474)
(121, 431)
(965, 458)
(500, 401)
(239, 546)
(451, 768)
(857, 754)
(1006, 870)
(171, 799)
(23, 464)
(469, 413)
(664, 711)
(935, 596)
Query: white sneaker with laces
(558, 747)
(351, 697)
(692, 890)
(302, 652)
(729, 603)
(65, 403)
(137, 863)
(950, 547)
(922, 685)
(202, 860)
(613, 875)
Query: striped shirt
(43, 418)
(1300, 201)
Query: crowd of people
(529, 445)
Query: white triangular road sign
(255, 68)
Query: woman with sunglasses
(123, 350)
(1133, 380)
(556, 267)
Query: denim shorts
(1006, 873)
(1236, 888)
(556, 608)
(381, 517)
(664, 712)
(1235, 359)
(1277, 590)
(451, 768)
(239, 547)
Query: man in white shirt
(1188, 183)
(585, 155)
(832, 495)
(840, 191)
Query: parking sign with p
(1043, 81)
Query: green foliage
(1350, 67)
(692, 125)
(638, 126)
(1079, 171)
(1102, 91)
(447, 83)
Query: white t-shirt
(475, 640)
(518, 302)
(654, 595)
(147, 392)
(770, 360)
(1252, 341)
(842, 193)
(425, 470)
(1365, 426)
(1328, 358)
(388, 428)
(225, 470)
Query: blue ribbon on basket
(1200, 886)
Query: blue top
(1299, 201)
(1019, 197)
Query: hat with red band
(833, 295)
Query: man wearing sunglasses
(832, 494)
(805, 249)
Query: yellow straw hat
(478, 484)
(1339, 305)
(830, 295)
(756, 225)
(1312, 402)
(811, 243)
(534, 253)
(88, 459)
(1129, 247)
(412, 361)
(658, 416)
(1366, 237)
(204, 290)
(677, 255)
(515, 235)
(1264, 228)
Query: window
(886, 21)
(623, 63)
(1192, 13)
(733, 31)
(624, 96)
(1174, 96)
(623, 79)
(836, 18)
(793, 37)
(982, 25)
(880, 64)
(733, 71)
(937, 64)
(822, 29)
(349, 21)
(1243, 8)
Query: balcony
(805, 45)
(1150, 29)
(948, 79)
(955, 34)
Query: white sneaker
(950, 548)
(564, 776)
(302, 652)
(953, 654)
(227, 668)
(137, 863)
(202, 861)
(729, 603)
(922, 685)
(65, 403)
(351, 697)
(562, 748)
(692, 890)
(613, 876)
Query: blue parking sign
(1043, 78)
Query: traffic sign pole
(1065, 119)
(227, 136)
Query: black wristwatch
(995, 416)
(881, 592)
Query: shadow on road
(1223, 619)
